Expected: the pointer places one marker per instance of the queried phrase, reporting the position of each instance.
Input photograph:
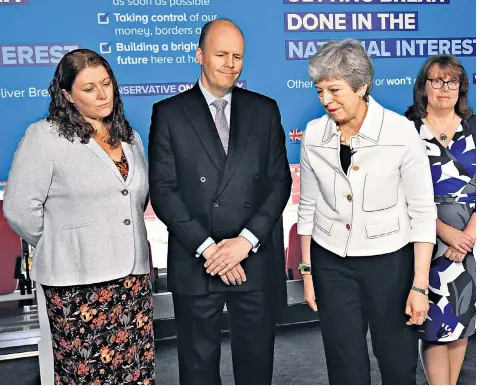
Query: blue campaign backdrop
(161, 37)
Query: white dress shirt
(211, 99)
(383, 201)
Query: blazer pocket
(382, 229)
(323, 223)
(380, 191)
(81, 225)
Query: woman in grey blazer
(77, 191)
(366, 196)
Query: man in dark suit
(219, 180)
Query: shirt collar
(210, 98)
(371, 127)
(425, 133)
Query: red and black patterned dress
(102, 333)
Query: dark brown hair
(448, 62)
(70, 122)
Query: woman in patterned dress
(77, 191)
(447, 127)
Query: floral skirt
(102, 333)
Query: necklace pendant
(443, 137)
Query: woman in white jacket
(366, 196)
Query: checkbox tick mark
(105, 48)
(103, 18)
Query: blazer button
(255, 176)
(215, 204)
(356, 168)
(125, 192)
(127, 222)
(349, 197)
(348, 226)
(203, 179)
(246, 205)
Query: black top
(345, 158)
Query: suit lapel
(103, 156)
(200, 117)
(130, 156)
(240, 123)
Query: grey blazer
(70, 202)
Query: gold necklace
(104, 138)
(442, 136)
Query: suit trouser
(252, 336)
(355, 292)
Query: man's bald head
(220, 54)
(217, 23)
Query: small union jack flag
(295, 135)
